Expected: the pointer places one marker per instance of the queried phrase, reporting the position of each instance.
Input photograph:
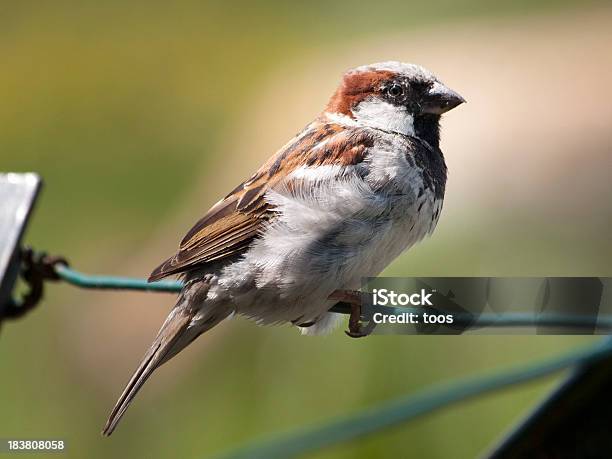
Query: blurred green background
(140, 116)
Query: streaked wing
(230, 226)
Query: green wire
(116, 283)
(404, 409)
(512, 319)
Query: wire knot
(36, 268)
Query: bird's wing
(230, 226)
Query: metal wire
(510, 319)
(115, 283)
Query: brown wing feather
(230, 226)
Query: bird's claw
(353, 299)
(355, 334)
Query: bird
(355, 188)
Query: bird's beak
(439, 99)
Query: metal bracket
(18, 193)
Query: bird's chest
(411, 209)
(352, 227)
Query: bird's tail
(177, 332)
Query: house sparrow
(358, 186)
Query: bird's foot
(352, 299)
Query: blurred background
(140, 116)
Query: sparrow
(341, 200)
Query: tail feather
(166, 345)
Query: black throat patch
(430, 159)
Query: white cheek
(379, 114)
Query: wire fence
(391, 413)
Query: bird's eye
(395, 90)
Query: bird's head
(396, 97)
